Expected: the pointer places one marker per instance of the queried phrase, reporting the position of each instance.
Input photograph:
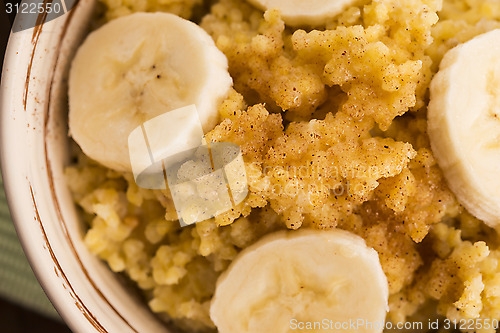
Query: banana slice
(464, 124)
(289, 280)
(136, 68)
(300, 12)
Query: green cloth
(17, 281)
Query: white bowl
(34, 151)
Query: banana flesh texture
(464, 124)
(293, 277)
(307, 13)
(138, 67)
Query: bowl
(34, 151)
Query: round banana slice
(300, 12)
(464, 124)
(292, 280)
(138, 67)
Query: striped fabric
(17, 281)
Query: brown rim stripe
(40, 20)
(59, 272)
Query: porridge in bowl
(348, 127)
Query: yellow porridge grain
(332, 126)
